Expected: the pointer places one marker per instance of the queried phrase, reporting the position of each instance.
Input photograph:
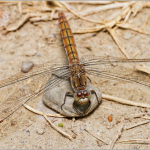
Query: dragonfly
(75, 70)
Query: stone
(54, 98)
(27, 66)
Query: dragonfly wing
(31, 89)
(40, 70)
(119, 73)
(97, 60)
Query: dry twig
(20, 7)
(109, 24)
(146, 118)
(57, 129)
(136, 141)
(39, 9)
(90, 11)
(42, 113)
(131, 27)
(57, 3)
(49, 115)
(143, 68)
(127, 16)
(33, 17)
(145, 22)
(18, 23)
(90, 2)
(96, 136)
(136, 53)
(118, 41)
(137, 124)
(67, 6)
(129, 117)
(124, 101)
(121, 125)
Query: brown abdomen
(68, 39)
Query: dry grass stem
(90, 10)
(143, 68)
(136, 141)
(89, 30)
(146, 117)
(131, 27)
(40, 18)
(109, 108)
(67, 6)
(127, 16)
(109, 24)
(136, 53)
(42, 113)
(16, 2)
(96, 136)
(45, 116)
(137, 115)
(145, 22)
(118, 41)
(33, 17)
(18, 23)
(137, 124)
(40, 9)
(57, 129)
(137, 7)
(121, 125)
(124, 101)
(128, 117)
(90, 2)
(146, 4)
(57, 3)
(52, 15)
(20, 7)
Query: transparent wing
(119, 73)
(40, 70)
(31, 89)
(95, 60)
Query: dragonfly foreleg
(89, 79)
(93, 92)
(59, 76)
(67, 94)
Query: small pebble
(37, 55)
(40, 131)
(27, 66)
(30, 53)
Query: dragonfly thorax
(78, 77)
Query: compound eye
(79, 94)
(85, 93)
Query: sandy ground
(26, 130)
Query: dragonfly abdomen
(68, 39)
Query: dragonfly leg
(93, 92)
(81, 114)
(67, 94)
(89, 79)
(58, 76)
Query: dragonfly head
(82, 101)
